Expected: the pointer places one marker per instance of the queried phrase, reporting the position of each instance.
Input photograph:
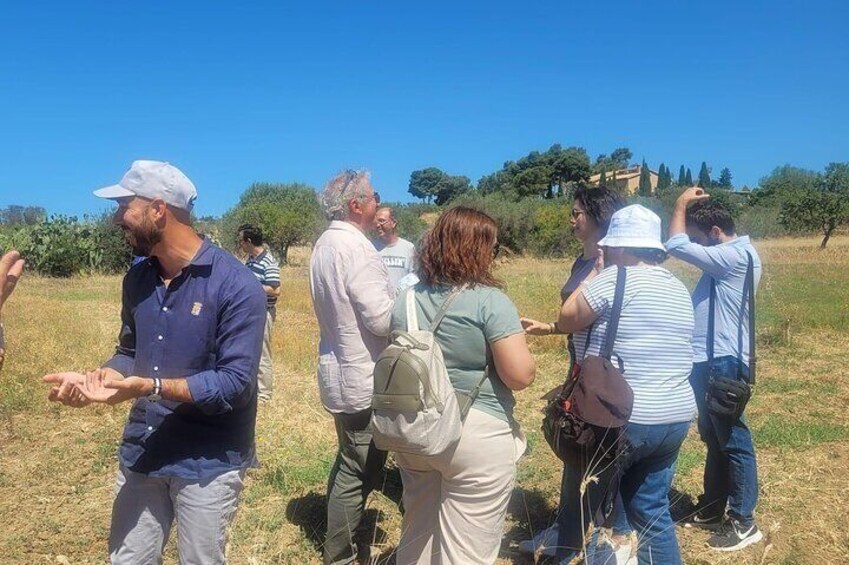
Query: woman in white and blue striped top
(653, 348)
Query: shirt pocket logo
(196, 308)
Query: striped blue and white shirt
(264, 266)
(654, 341)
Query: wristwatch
(156, 395)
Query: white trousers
(265, 377)
(455, 503)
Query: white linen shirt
(352, 300)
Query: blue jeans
(731, 471)
(648, 467)
(575, 512)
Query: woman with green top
(455, 503)
(591, 212)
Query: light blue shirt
(726, 263)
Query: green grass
(57, 464)
(795, 431)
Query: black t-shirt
(580, 269)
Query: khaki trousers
(455, 503)
(265, 377)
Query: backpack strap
(412, 317)
(466, 399)
(615, 312)
(440, 314)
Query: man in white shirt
(397, 253)
(352, 299)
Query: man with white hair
(352, 299)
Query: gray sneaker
(733, 536)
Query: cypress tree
(682, 176)
(644, 188)
(662, 175)
(689, 180)
(704, 176)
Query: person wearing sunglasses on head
(352, 299)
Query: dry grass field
(57, 464)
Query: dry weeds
(57, 464)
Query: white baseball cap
(633, 226)
(154, 179)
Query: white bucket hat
(154, 179)
(633, 226)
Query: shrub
(761, 222)
(288, 214)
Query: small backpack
(415, 408)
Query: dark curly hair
(705, 214)
(599, 203)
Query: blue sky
(282, 91)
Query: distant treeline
(530, 198)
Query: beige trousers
(455, 503)
(265, 377)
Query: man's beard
(143, 238)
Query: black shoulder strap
(748, 301)
(749, 295)
(711, 322)
(616, 311)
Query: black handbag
(727, 397)
(586, 418)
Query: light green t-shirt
(478, 316)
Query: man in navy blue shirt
(188, 352)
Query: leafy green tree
(288, 214)
(533, 181)
(725, 178)
(450, 187)
(822, 208)
(424, 183)
(644, 188)
(704, 176)
(688, 180)
(435, 184)
(783, 183)
(618, 159)
(569, 165)
(682, 177)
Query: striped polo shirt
(654, 341)
(266, 269)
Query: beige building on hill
(627, 181)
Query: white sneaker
(622, 552)
(544, 543)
